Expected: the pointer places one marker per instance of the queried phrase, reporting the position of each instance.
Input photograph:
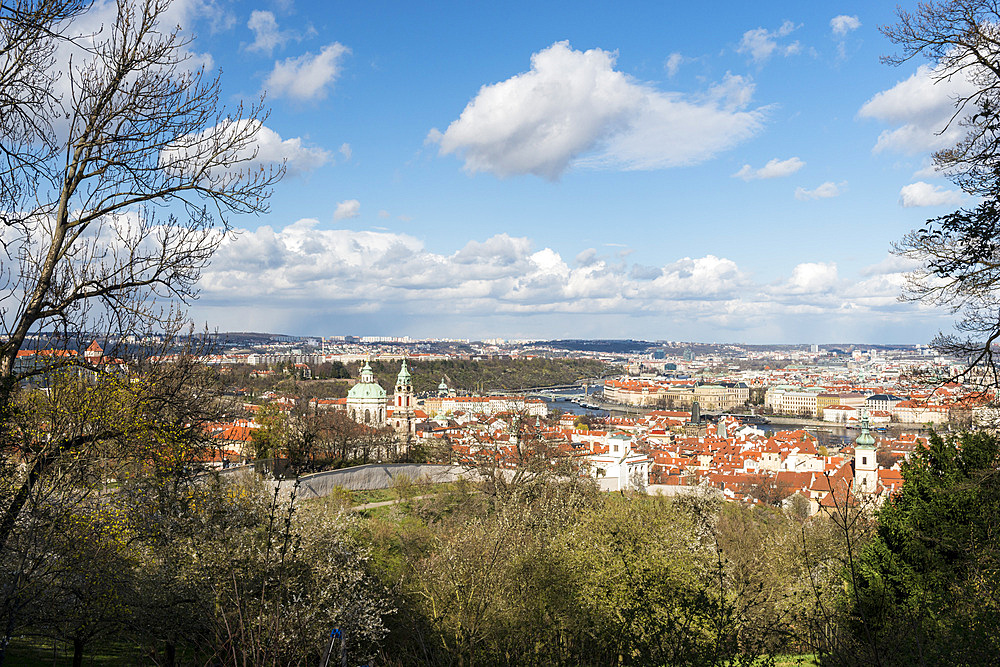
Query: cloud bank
(312, 274)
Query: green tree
(124, 428)
(92, 593)
(925, 585)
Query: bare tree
(959, 253)
(113, 201)
(962, 40)
(132, 192)
(31, 31)
(519, 456)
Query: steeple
(865, 467)
(865, 439)
(404, 375)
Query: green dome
(364, 390)
(367, 388)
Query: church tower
(865, 468)
(402, 402)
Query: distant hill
(601, 345)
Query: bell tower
(402, 402)
(865, 467)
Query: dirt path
(386, 503)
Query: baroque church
(367, 404)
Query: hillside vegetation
(492, 375)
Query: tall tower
(865, 468)
(402, 402)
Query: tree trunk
(77, 652)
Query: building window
(864, 460)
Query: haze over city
(696, 172)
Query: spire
(404, 374)
(865, 439)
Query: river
(828, 435)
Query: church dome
(366, 390)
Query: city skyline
(577, 171)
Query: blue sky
(723, 171)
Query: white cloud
(922, 106)
(761, 43)
(812, 277)
(890, 265)
(345, 150)
(928, 170)
(267, 148)
(349, 208)
(574, 108)
(384, 214)
(297, 156)
(673, 63)
(843, 24)
(824, 191)
(186, 12)
(307, 77)
(708, 277)
(925, 194)
(586, 257)
(774, 168)
(502, 273)
(267, 35)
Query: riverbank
(799, 421)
